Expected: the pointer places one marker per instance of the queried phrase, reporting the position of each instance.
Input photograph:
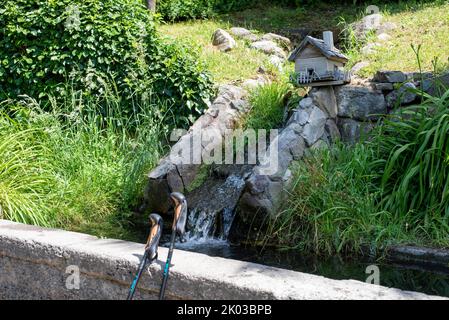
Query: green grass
(316, 17)
(267, 107)
(239, 64)
(418, 24)
(25, 176)
(413, 162)
(331, 207)
(79, 167)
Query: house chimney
(328, 38)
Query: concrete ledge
(33, 262)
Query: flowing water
(212, 206)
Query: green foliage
(172, 10)
(90, 43)
(73, 168)
(175, 10)
(267, 106)
(331, 207)
(413, 163)
(182, 82)
(25, 176)
(232, 5)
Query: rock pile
(365, 26)
(171, 176)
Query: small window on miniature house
(310, 71)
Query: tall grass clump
(412, 152)
(80, 166)
(25, 177)
(331, 206)
(267, 106)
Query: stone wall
(170, 176)
(363, 102)
(33, 264)
(311, 125)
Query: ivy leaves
(46, 44)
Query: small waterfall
(212, 206)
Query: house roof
(332, 54)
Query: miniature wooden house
(319, 63)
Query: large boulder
(314, 128)
(383, 37)
(243, 33)
(324, 97)
(277, 62)
(386, 27)
(359, 66)
(370, 48)
(268, 47)
(390, 76)
(435, 86)
(332, 132)
(360, 103)
(366, 24)
(402, 96)
(383, 86)
(251, 84)
(281, 40)
(223, 40)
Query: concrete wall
(33, 264)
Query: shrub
(267, 107)
(90, 43)
(172, 10)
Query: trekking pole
(179, 223)
(150, 250)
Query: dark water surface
(406, 277)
